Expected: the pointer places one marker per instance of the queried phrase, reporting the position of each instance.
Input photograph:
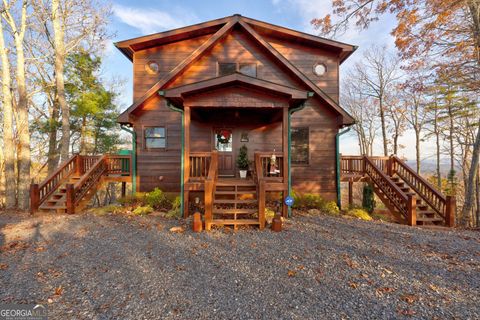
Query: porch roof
(178, 94)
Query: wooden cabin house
(204, 91)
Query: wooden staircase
(75, 182)
(235, 203)
(411, 198)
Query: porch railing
(264, 168)
(210, 185)
(200, 163)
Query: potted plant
(242, 161)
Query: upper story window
(155, 138)
(247, 68)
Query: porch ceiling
(237, 90)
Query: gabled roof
(236, 79)
(223, 26)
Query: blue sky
(136, 18)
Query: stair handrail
(76, 192)
(441, 204)
(399, 199)
(40, 192)
(210, 183)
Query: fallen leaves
(58, 291)
(353, 285)
(380, 292)
(409, 298)
(3, 266)
(14, 246)
(292, 273)
(177, 229)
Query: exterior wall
(319, 175)
(305, 58)
(160, 167)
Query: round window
(320, 69)
(152, 67)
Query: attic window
(226, 68)
(152, 67)
(320, 69)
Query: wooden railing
(356, 165)
(263, 167)
(444, 206)
(40, 192)
(405, 204)
(80, 166)
(199, 165)
(210, 185)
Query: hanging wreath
(223, 136)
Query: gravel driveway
(103, 267)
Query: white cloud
(153, 20)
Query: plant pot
(243, 174)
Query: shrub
(132, 200)
(157, 199)
(112, 208)
(142, 211)
(360, 214)
(242, 159)
(307, 201)
(368, 201)
(382, 217)
(330, 208)
(175, 211)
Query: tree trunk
(23, 131)
(8, 142)
(384, 128)
(437, 142)
(417, 149)
(53, 156)
(452, 173)
(472, 175)
(59, 49)
(83, 133)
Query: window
(248, 69)
(155, 138)
(320, 69)
(226, 68)
(300, 145)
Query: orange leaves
(3, 266)
(291, 273)
(409, 298)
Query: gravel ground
(320, 267)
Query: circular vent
(152, 67)
(320, 69)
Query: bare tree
(377, 74)
(8, 141)
(364, 111)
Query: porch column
(186, 159)
(285, 159)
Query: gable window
(300, 145)
(155, 138)
(226, 68)
(248, 69)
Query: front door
(223, 143)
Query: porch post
(186, 159)
(285, 160)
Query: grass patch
(360, 214)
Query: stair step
(425, 219)
(53, 207)
(235, 221)
(422, 207)
(236, 192)
(232, 201)
(400, 183)
(428, 213)
(236, 183)
(234, 211)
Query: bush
(307, 201)
(132, 200)
(175, 211)
(157, 199)
(368, 201)
(330, 208)
(112, 208)
(142, 211)
(360, 214)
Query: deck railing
(81, 166)
(210, 185)
(356, 165)
(199, 165)
(442, 205)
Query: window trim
(144, 129)
(237, 66)
(302, 164)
